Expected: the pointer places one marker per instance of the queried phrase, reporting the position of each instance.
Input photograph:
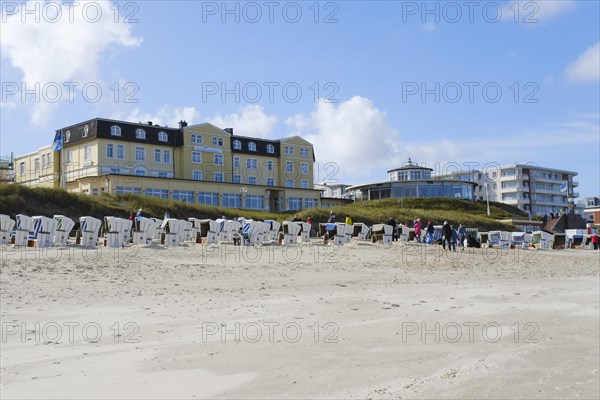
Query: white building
(531, 188)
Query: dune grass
(17, 199)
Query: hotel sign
(208, 149)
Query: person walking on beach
(430, 231)
(331, 219)
(596, 241)
(454, 238)
(392, 222)
(417, 226)
(462, 234)
(446, 235)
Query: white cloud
(250, 120)
(586, 67)
(59, 48)
(166, 115)
(428, 27)
(532, 12)
(355, 135)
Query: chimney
(230, 130)
(150, 123)
(182, 124)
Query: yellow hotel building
(200, 164)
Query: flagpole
(487, 195)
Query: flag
(485, 178)
(58, 143)
(564, 187)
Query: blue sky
(392, 79)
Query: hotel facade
(533, 189)
(200, 164)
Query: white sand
(173, 304)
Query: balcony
(575, 183)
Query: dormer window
(162, 136)
(252, 146)
(68, 136)
(270, 148)
(115, 130)
(140, 134)
(237, 145)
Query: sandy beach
(310, 321)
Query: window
(252, 146)
(288, 150)
(270, 149)
(196, 139)
(163, 175)
(304, 168)
(140, 154)
(269, 165)
(140, 171)
(289, 166)
(254, 202)
(197, 175)
(110, 150)
(167, 156)
(294, 203)
(217, 141)
(68, 136)
(196, 157)
(304, 184)
(157, 157)
(289, 183)
(115, 130)
(232, 200)
(69, 156)
(218, 159)
(45, 160)
(237, 145)
(87, 153)
(251, 163)
(310, 203)
(162, 193)
(304, 152)
(251, 180)
(193, 139)
(236, 162)
(120, 152)
(163, 137)
(208, 198)
(270, 181)
(237, 179)
(36, 164)
(94, 192)
(115, 170)
(22, 168)
(125, 190)
(140, 134)
(218, 177)
(183, 195)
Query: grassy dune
(16, 199)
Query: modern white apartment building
(532, 188)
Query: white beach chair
(360, 231)
(383, 232)
(304, 232)
(115, 228)
(273, 230)
(290, 232)
(23, 225)
(6, 227)
(43, 231)
(64, 226)
(89, 231)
